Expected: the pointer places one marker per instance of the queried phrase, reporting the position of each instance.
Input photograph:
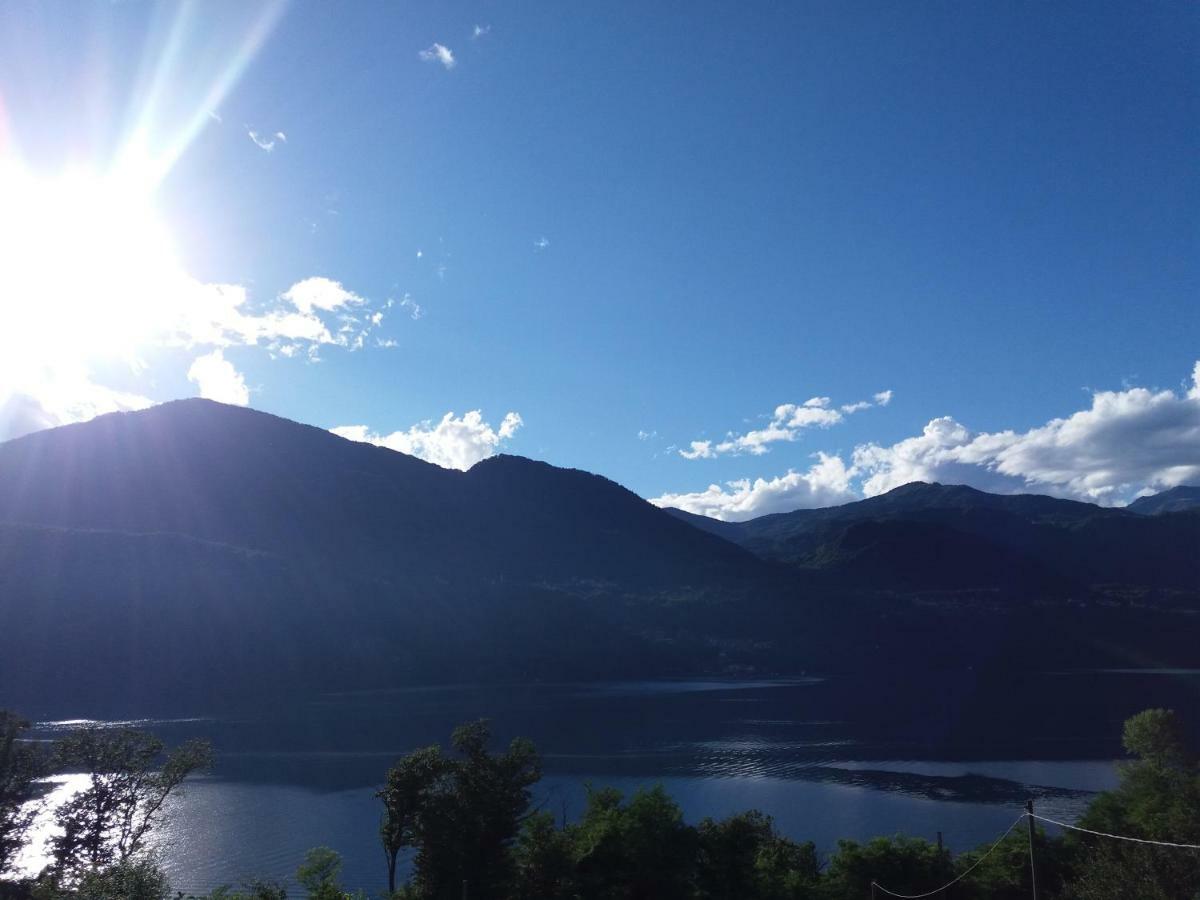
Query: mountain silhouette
(1177, 499)
(196, 555)
(952, 536)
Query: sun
(88, 273)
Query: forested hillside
(198, 553)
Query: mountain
(254, 482)
(1177, 499)
(195, 556)
(953, 537)
(220, 547)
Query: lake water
(827, 758)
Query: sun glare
(89, 265)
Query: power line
(1118, 837)
(876, 884)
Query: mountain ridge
(1055, 538)
(212, 554)
(1177, 499)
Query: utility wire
(1117, 837)
(960, 877)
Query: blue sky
(612, 220)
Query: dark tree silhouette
(129, 781)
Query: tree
(1004, 874)
(129, 781)
(545, 860)
(470, 819)
(462, 814)
(126, 880)
(254, 889)
(411, 783)
(743, 857)
(20, 766)
(1156, 737)
(1158, 799)
(641, 850)
(319, 872)
(787, 870)
(901, 863)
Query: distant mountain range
(948, 537)
(1177, 499)
(200, 554)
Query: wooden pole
(1032, 867)
(941, 857)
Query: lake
(828, 758)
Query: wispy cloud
(480, 31)
(265, 143)
(786, 424)
(438, 53)
(541, 243)
(453, 442)
(415, 310)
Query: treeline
(462, 823)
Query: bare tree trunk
(391, 862)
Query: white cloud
(643, 435)
(698, 450)
(21, 414)
(267, 144)
(541, 243)
(508, 427)
(320, 293)
(218, 380)
(280, 136)
(313, 313)
(1126, 443)
(60, 401)
(826, 483)
(438, 53)
(453, 443)
(479, 31)
(787, 422)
